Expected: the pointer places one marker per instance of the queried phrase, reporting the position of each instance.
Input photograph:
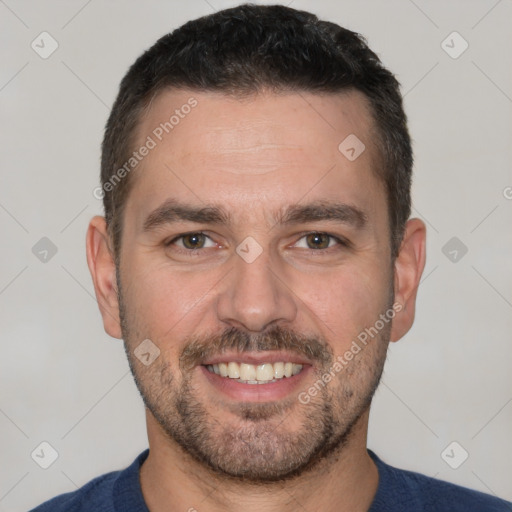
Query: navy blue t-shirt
(398, 491)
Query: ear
(409, 266)
(103, 271)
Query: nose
(255, 296)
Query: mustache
(198, 349)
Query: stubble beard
(252, 442)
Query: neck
(344, 481)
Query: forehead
(266, 147)
(221, 122)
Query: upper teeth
(251, 372)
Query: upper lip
(257, 358)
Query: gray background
(63, 380)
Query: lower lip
(257, 392)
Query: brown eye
(318, 240)
(193, 240)
(191, 243)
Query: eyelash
(340, 242)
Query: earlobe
(409, 266)
(100, 260)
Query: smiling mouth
(255, 374)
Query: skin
(255, 156)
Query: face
(250, 240)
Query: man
(257, 257)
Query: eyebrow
(172, 211)
(324, 210)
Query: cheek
(346, 301)
(166, 303)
